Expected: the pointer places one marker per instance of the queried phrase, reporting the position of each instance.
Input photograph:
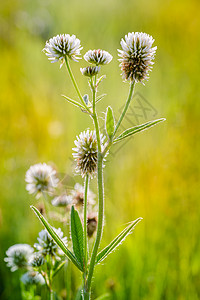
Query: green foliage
(136, 129)
(110, 122)
(116, 242)
(103, 297)
(73, 102)
(77, 236)
(99, 98)
(57, 239)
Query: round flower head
(41, 178)
(37, 260)
(47, 246)
(90, 71)
(98, 57)
(78, 195)
(61, 46)
(62, 200)
(86, 153)
(137, 56)
(32, 278)
(18, 256)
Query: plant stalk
(86, 186)
(75, 85)
(100, 193)
(130, 95)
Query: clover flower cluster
(47, 246)
(41, 178)
(86, 153)
(62, 46)
(32, 278)
(18, 256)
(74, 197)
(137, 56)
(22, 256)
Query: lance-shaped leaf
(99, 98)
(116, 242)
(59, 267)
(136, 129)
(77, 235)
(57, 239)
(100, 79)
(104, 296)
(110, 122)
(73, 102)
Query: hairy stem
(85, 220)
(100, 194)
(75, 85)
(130, 95)
(85, 237)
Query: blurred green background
(155, 175)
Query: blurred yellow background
(155, 175)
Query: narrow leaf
(110, 122)
(103, 297)
(100, 79)
(116, 242)
(136, 129)
(73, 102)
(59, 267)
(77, 235)
(99, 98)
(57, 239)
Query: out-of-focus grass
(155, 175)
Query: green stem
(131, 90)
(100, 194)
(75, 85)
(68, 281)
(51, 295)
(85, 222)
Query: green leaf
(100, 79)
(136, 129)
(116, 242)
(57, 239)
(103, 297)
(79, 294)
(73, 102)
(59, 267)
(110, 122)
(99, 98)
(77, 235)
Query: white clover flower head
(62, 200)
(41, 178)
(47, 246)
(98, 57)
(78, 196)
(90, 71)
(137, 56)
(37, 260)
(86, 153)
(32, 278)
(61, 46)
(18, 256)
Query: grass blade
(117, 241)
(56, 238)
